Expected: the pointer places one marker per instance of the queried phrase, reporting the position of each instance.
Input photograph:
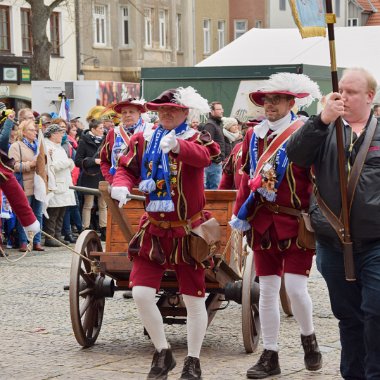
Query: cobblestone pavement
(37, 341)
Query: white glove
(121, 194)
(34, 228)
(169, 143)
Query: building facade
(16, 49)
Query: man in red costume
(272, 193)
(117, 139)
(168, 166)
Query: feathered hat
(138, 103)
(95, 113)
(186, 98)
(300, 86)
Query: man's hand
(121, 194)
(333, 109)
(169, 143)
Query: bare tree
(41, 45)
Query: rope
(29, 249)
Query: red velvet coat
(232, 173)
(294, 191)
(187, 185)
(105, 155)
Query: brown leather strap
(277, 209)
(359, 162)
(334, 221)
(165, 224)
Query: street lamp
(95, 62)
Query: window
(206, 36)
(54, 33)
(258, 24)
(5, 42)
(148, 27)
(353, 22)
(337, 8)
(125, 25)
(100, 24)
(240, 27)
(282, 5)
(162, 28)
(26, 33)
(179, 32)
(221, 34)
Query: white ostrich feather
(190, 98)
(296, 83)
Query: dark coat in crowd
(88, 151)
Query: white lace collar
(277, 126)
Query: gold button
(307, 272)
(162, 215)
(199, 292)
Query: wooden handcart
(97, 274)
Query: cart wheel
(285, 301)
(250, 308)
(86, 309)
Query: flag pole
(347, 243)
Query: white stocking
(269, 310)
(196, 323)
(302, 307)
(145, 299)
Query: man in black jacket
(356, 304)
(213, 126)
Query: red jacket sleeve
(105, 156)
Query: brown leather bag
(306, 236)
(205, 240)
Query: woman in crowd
(23, 151)
(88, 160)
(232, 134)
(59, 168)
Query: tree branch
(55, 4)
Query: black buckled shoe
(191, 369)
(313, 357)
(266, 366)
(162, 363)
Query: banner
(309, 16)
(62, 110)
(40, 177)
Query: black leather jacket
(315, 144)
(214, 127)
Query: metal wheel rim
(250, 311)
(86, 311)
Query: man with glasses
(272, 194)
(213, 126)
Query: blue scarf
(32, 146)
(280, 164)
(138, 127)
(118, 145)
(155, 172)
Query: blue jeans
(213, 175)
(72, 215)
(37, 210)
(357, 307)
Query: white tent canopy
(355, 47)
